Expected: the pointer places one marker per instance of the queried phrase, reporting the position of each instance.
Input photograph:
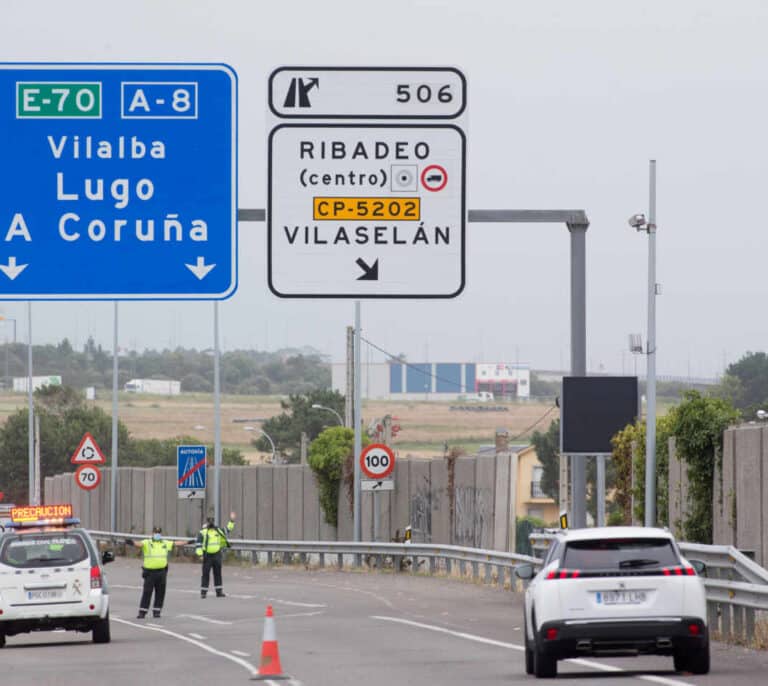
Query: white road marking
(512, 646)
(204, 646)
(200, 618)
(378, 597)
(292, 602)
(240, 653)
(301, 614)
(197, 636)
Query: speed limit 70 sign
(87, 477)
(377, 461)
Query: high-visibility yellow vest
(212, 539)
(156, 553)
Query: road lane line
(200, 618)
(247, 665)
(512, 646)
(301, 614)
(293, 602)
(240, 653)
(197, 636)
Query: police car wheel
(101, 633)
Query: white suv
(615, 591)
(51, 577)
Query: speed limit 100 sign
(377, 461)
(88, 476)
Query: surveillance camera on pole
(638, 221)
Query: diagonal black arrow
(369, 273)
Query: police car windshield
(42, 550)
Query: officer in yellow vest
(210, 542)
(154, 571)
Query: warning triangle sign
(88, 452)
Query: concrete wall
(471, 502)
(739, 494)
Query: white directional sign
(381, 485)
(367, 93)
(365, 209)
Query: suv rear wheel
(101, 633)
(696, 663)
(544, 666)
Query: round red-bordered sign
(377, 461)
(434, 178)
(88, 476)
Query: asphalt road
(333, 629)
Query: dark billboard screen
(593, 409)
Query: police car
(51, 575)
(615, 591)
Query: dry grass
(425, 426)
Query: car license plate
(620, 597)
(46, 594)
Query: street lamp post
(639, 222)
(317, 406)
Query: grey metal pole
(578, 359)
(37, 500)
(357, 515)
(216, 415)
(31, 408)
(650, 433)
(600, 490)
(115, 460)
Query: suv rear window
(42, 550)
(620, 554)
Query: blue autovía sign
(190, 467)
(118, 181)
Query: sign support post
(357, 415)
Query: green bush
(327, 456)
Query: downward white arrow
(12, 270)
(200, 270)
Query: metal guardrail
(737, 587)
(438, 558)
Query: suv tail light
(564, 574)
(678, 571)
(95, 577)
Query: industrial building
(437, 380)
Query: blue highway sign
(118, 181)
(190, 471)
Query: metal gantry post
(217, 416)
(31, 409)
(578, 361)
(113, 480)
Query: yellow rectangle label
(386, 209)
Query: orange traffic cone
(269, 666)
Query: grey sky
(567, 102)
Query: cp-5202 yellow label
(404, 209)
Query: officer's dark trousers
(154, 580)
(211, 562)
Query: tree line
(64, 418)
(242, 371)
